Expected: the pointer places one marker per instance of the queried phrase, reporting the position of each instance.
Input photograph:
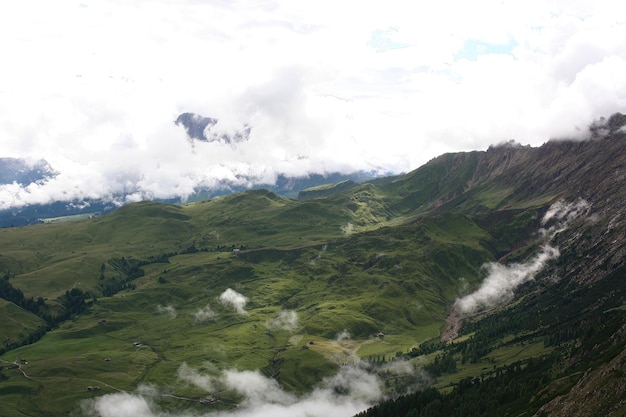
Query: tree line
(74, 301)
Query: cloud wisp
(322, 251)
(560, 215)
(204, 314)
(502, 280)
(231, 298)
(343, 335)
(169, 311)
(286, 320)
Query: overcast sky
(93, 87)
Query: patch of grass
(17, 324)
(70, 218)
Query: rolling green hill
(174, 296)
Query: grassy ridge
(16, 324)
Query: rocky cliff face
(595, 254)
(593, 250)
(592, 170)
(590, 272)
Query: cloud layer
(350, 391)
(397, 89)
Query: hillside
(61, 211)
(473, 271)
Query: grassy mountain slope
(289, 256)
(138, 296)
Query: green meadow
(362, 271)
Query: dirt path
(18, 366)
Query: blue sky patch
(473, 48)
(381, 40)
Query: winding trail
(19, 368)
(38, 378)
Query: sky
(93, 87)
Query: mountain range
(197, 128)
(481, 283)
(59, 211)
(23, 172)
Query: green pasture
(360, 264)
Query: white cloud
(343, 335)
(169, 311)
(502, 280)
(231, 298)
(193, 377)
(560, 214)
(119, 405)
(390, 93)
(347, 393)
(204, 314)
(286, 320)
(256, 388)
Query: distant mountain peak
(24, 172)
(207, 129)
(615, 124)
(617, 121)
(195, 124)
(509, 144)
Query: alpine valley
(485, 283)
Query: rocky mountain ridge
(593, 170)
(576, 302)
